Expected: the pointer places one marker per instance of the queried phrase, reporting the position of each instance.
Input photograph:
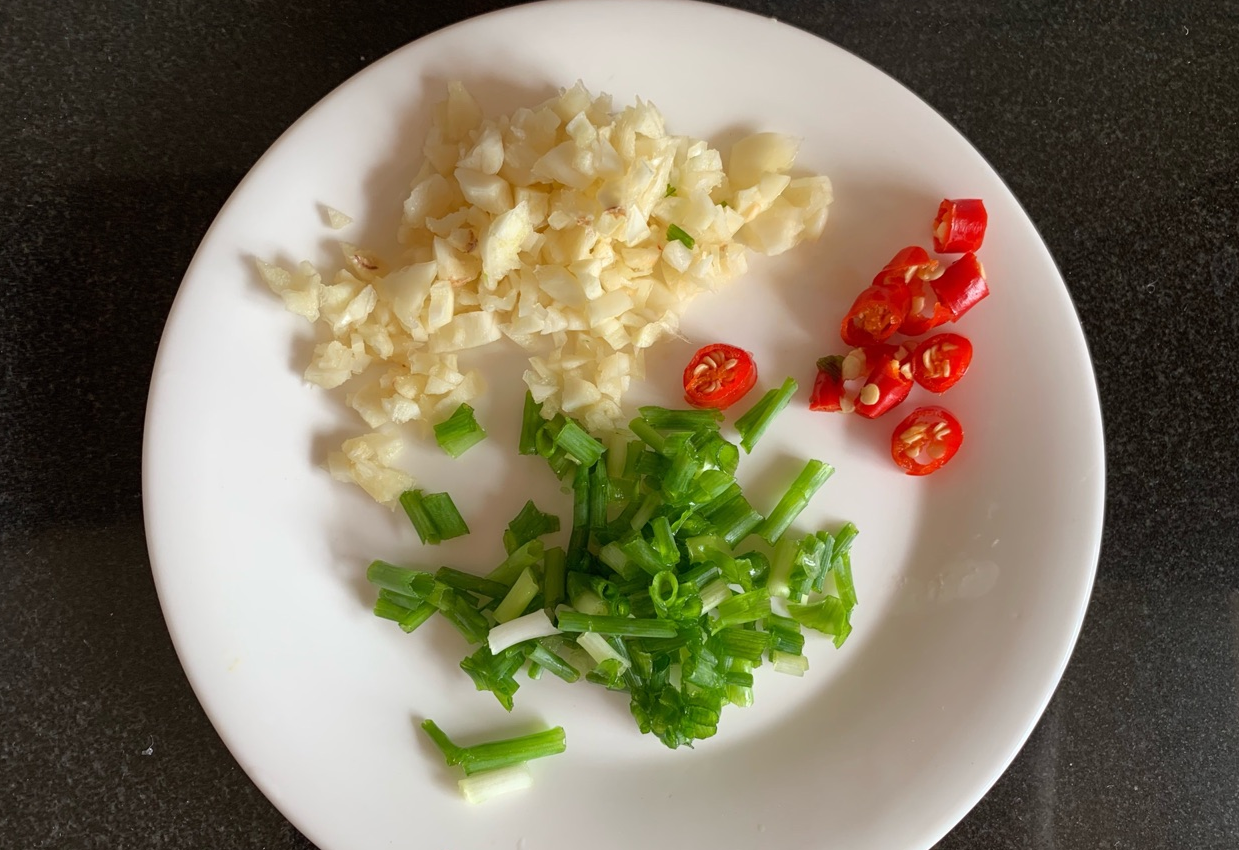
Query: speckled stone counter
(124, 126)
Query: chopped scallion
(754, 423)
(493, 755)
(484, 786)
(549, 660)
(572, 621)
(400, 579)
(459, 432)
(529, 627)
(448, 522)
(531, 424)
(795, 500)
(522, 593)
(677, 234)
(517, 560)
(527, 525)
(580, 445)
(458, 580)
(793, 665)
(665, 419)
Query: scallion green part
(407, 618)
(753, 424)
(599, 496)
(665, 419)
(522, 593)
(493, 755)
(641, 553)
(554, 578)
(457, 610)
(844, 584)
(828, 615)
(677, 234)
(527, 525)
(739, 642)
(414, 506)
(495, 673)
(508, 571)
(718, 453)
(617, 454)
(434, 516)
(648, 434)
(448, 522)
(459, 432)
(572, 621)
(549, 660)
(401, 599)
(795, 500)
(400, 579)
(470, 583)
(735, 519)
(531, 424)
(664, 541)
(583, 448)
(745, 608)
(784, 634)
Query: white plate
(973, 582)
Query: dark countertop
(123, 128)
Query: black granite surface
(123, 127)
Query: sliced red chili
(828, 385)
(960, 226)
(876, 314)
(911, 262)
(718, 376)
(925, 312)
(926, 440)
(940, 361)
(887, 385)
(962, 285)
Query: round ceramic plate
(973, 582)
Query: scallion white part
(488, 784)
(528, 627)
(598, 648)
(713, 594)
(793, 665)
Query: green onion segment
(670, 586)
(459, 432)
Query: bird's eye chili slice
(888, 383)
(827, 392)
(962, 285)
(940, 361)
(718, 376)
(925, 312)
(926, 440)
(876, 313)
(960, 226)
(909, 263)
